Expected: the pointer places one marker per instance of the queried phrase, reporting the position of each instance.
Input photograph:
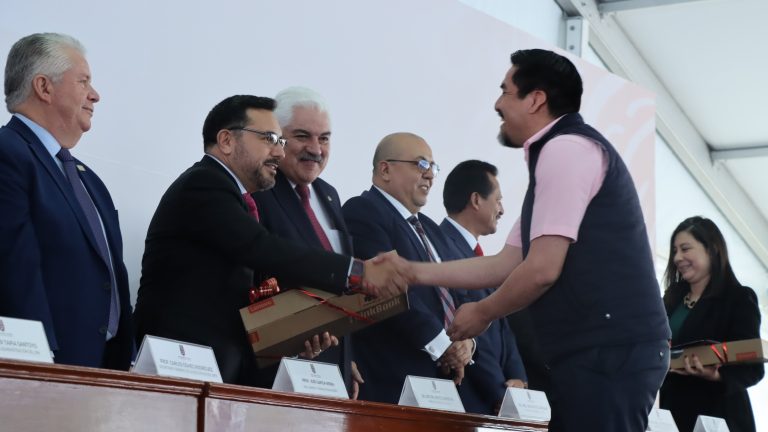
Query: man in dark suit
(472, 199)
(302, 206)
(204, 243)
(384, 218)
(61, 253)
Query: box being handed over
(743, 351)
(279, 325)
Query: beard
(261, 180)
(505, 141)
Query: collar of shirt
(406, 214)
(49, 142)
(398, 205)
(293, 188)
(537, 135)
(237, 180)
(468, 237)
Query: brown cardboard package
(279, 325)
(743, 351)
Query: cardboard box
(279, 325)
(743, 351)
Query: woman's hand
(693, 367)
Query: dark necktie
(303, 191)
(251, 203)
(92, 216)
(445, 297)
(478, 250)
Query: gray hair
(36, 54)
(293, 97)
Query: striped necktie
(445, 297)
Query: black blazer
(731, 315)
(50, 268)
(388, 351)
(281, 213)
(201, 251)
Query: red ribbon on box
(724, 357)
(339, 308)
(267, 288)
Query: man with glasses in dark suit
(205, 242)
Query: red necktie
(478, 250)
(303, 191)
(251, 203)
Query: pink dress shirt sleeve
(570, 172)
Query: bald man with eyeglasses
(387, 217)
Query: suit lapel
(103, 206)
(403, 225)
(458, 240)
(333, 208)
(57, 175)
(291, 204)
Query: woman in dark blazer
(705, 301)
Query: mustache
(275, 161)
(304, 156)
(500, 114)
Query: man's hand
(357, 380)
(455, 358)
(469, 321)
(516, 383)
(314, 346)
(458, 373)
(382, 277)
(458, 354)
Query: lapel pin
(329, 199)
(80, 168)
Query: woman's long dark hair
(721, 275)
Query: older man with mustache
(303, 207)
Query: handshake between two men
(389, 275)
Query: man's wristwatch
(355, 278)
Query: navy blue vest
(607, 293)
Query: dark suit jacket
(732, 315)
(50, 268)
(388, 351)
(497, 357)
(202, 249)
(281, 213)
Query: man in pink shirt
(578, 258)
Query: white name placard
(525, 404)
(310, 377)
(432, 393)
(22, 339)
(172, 358)
(710, 424)
(660, 420)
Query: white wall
(427, 66)
(432, 67)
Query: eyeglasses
(271, 137)
(422, 164)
